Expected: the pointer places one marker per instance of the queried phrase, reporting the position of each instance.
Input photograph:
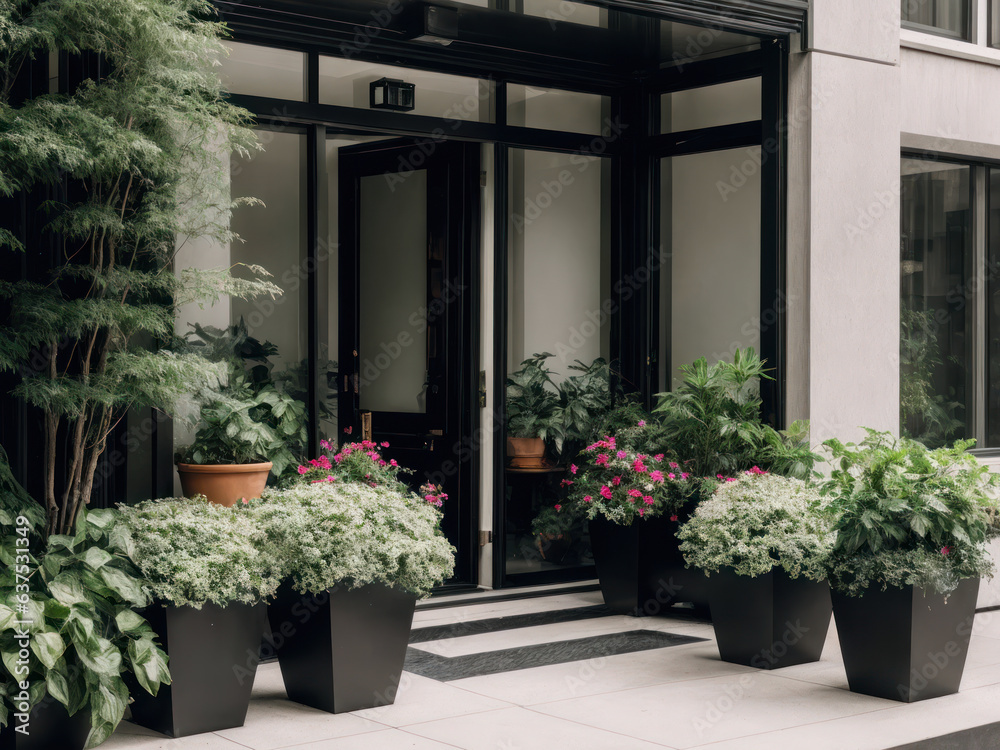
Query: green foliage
(712, 420)
(248, 418)
(192, 551)
(140, 151)
(756, 523)
(531, 398)
(909, 515)
(84, 631)
(924, 414)
(351, 533)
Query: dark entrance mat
(510, 622)
(986, 737)
(509, 660)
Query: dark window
(947, 17)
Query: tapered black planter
(50, 727)
(640, 568)
(771, 621)
(906, 644)
(342, 650)
(213, 654)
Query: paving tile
(604, 675)
(898, 724)
(714, 709)
(128, 736)
(422, 699)
(521, 729)
(387, 739)
(278, 723)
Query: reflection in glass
(948, 17)
(555, 109)
(993, 315)
(708, 106)
(936, 314)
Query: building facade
(453, 187)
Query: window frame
(965, 35)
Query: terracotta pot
(526, 453)
(224, 484)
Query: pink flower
(245, 501)
(430, 498)
(331, 478)
(373, 484)
(641, 513)
(730, 479)
(393, 463)
(946, 550)
(566, 483)
(648, 499)
(587, 498)
(639, 466)
(348, 430)
(673, 517)
(657, 476)
(621, 454)
(601, 460)
(558, 507)
(325, 444)
(382, 463)
(605, 492)
(616, 481)
(384, 443)
(572, 469)
(303, 469)
(658, 457)
(338, 458)
(634, 493)
(642, 422)
(684, 475)
(673, 465)
(672, 475)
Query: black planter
(906, 644)
(771, 621)
(640, 568)
(50, 727)
(342, 650)
(213, 655)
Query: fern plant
(137, 153)
(909, 515)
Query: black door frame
(461, 221)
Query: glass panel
(993, 316)
(995, 23)
(936, 323)
(559, 288)
(564, 10)
(949, 17)
(710, 243)
(346, 83)
(553, 109)
(393, 289)
(264, 71)
(683, 44)
(721, 104)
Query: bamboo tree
(139, 151)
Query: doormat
(510, 622)
(446, 668)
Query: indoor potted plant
(764, 542)
(359, 554)
(905, 568)
(531, 402)
(209, 571)
(87, 644)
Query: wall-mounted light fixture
(390, 93)
(437, 25)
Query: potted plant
(246, 429)
(634, 503)
(764, 542)
(531, 402)
(905, 568)
(209, 572)
(73, 603)
(359, 554)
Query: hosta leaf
(48, 647)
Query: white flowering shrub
(758, 522)
(193, 551)
(354, 534)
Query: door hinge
(482, 179)
(485, 537)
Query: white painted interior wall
(715, 254)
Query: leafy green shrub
(192, 552)
(712, 420)
(908, 515)
(758, 522)
(346, 533)
(531, 398)
(353, 462)
(84, 632)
